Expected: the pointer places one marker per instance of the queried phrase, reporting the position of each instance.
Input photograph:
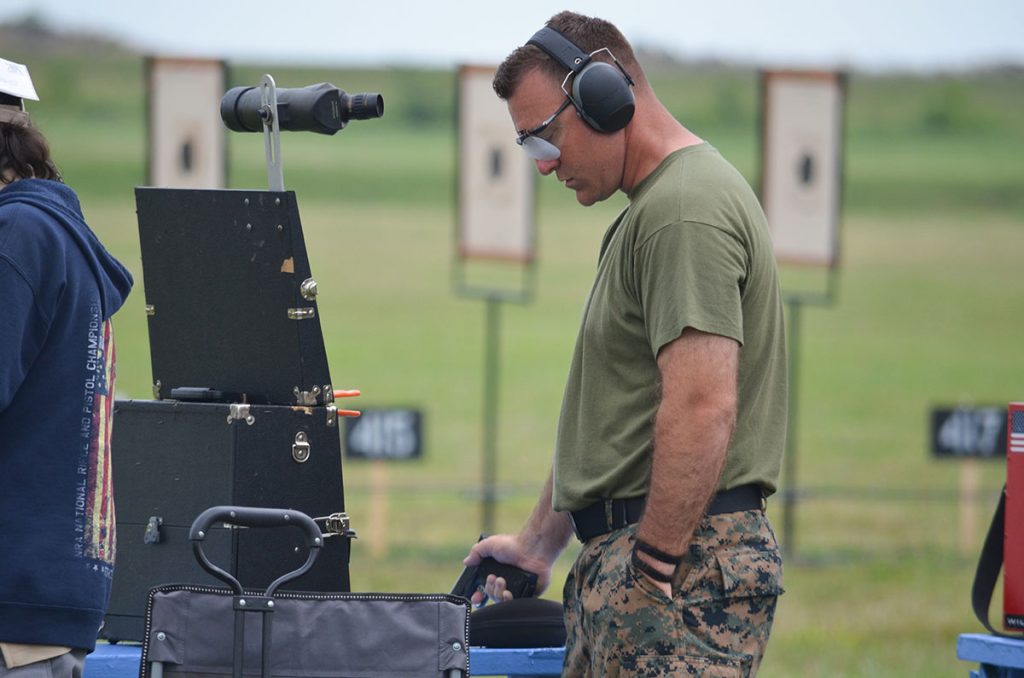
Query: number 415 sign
(978, 432)
(385, 434)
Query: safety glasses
(537, 148)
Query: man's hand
(507, 549)
(666, 569)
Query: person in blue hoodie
(59, 288)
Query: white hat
(15, 81)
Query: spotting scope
(321, 108)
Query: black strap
(593, 521)
(657, 553)
(749, 497)
(560, 48)
(649, 570)
(989, 564)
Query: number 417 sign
(978, 432)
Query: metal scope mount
(271, 133)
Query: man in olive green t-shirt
(673, 420)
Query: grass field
(927, 312)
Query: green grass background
(928, 312)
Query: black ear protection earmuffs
(601, 92)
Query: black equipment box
(245, 410)
(172, 460)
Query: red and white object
(1013, 544)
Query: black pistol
(519, 582)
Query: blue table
(489, 661)
(122, 661)
(997, 657)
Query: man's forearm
(689, 453)
(692, 428)
(547, 531)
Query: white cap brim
(15, 80)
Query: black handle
(246, 516)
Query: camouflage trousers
(716, 624)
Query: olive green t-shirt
(692, 249)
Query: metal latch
(152, 534)
(300, 449)
(240, 412)
(337, 525)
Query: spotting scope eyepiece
(321, 108)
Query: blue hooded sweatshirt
(58, 289)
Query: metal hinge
(240, 412)
(301, 313)
(308, 398)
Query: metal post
(789, 494)
(490, 443)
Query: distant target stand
(495, 236)
(801, 187)
(186, 145)
(802, 116)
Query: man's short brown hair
(589, 34)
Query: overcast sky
(866, 34)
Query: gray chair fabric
(190, 633)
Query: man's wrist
(655, 563)
(657, 554)
(655, 570)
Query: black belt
(607, 515)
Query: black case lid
(223, 273)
